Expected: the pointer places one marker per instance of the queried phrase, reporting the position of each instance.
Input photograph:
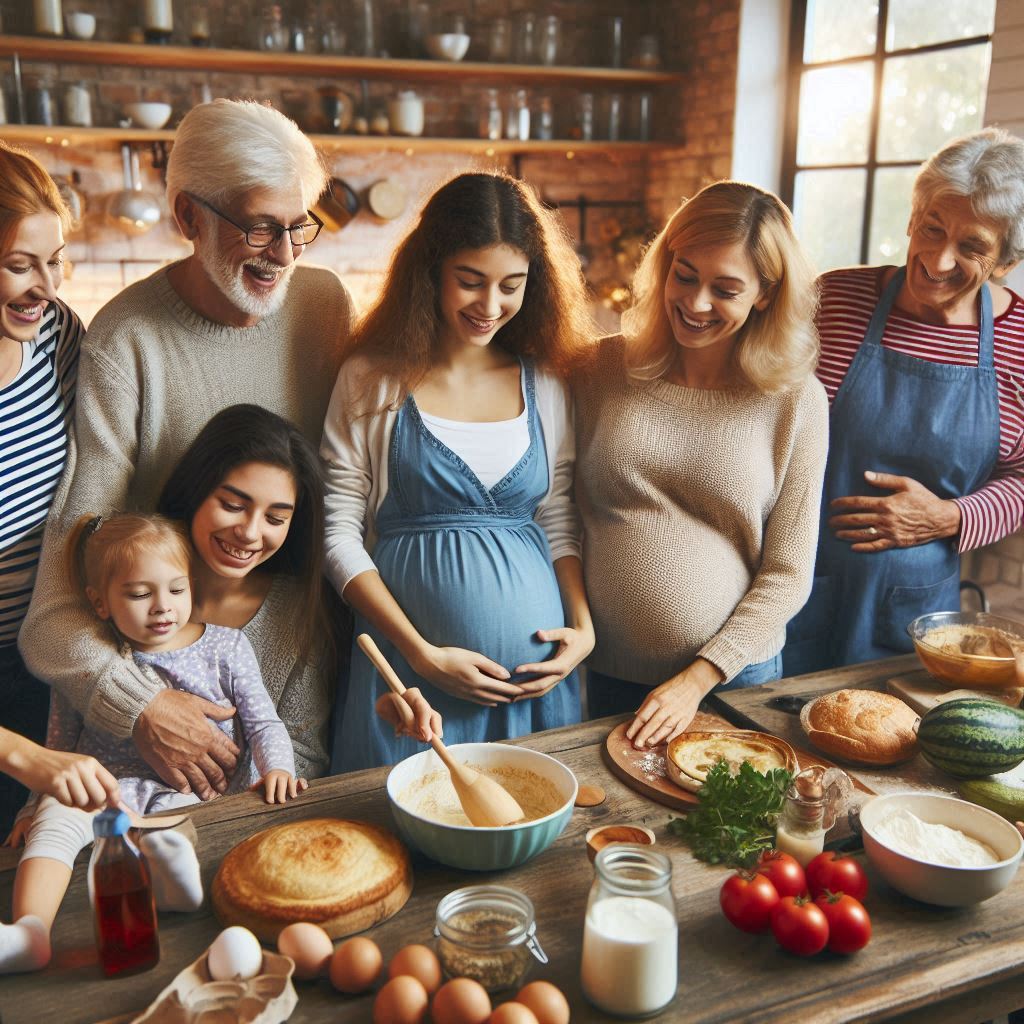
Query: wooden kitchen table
(923, 963)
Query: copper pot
(337, 205)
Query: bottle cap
(110, 822)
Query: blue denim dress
(894, 413)
(472, 569)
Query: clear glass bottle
(526, 38)
(517, 116)
(613, 55)
(613, 125)
(487, 933)
(365, 29)
(40, 102)
(273, 33)
(584, 117)
(499, 41)
(642, 116)
(121, 894)
(489, 125)
(812, 802)
(630, 960)
(549, 39)
(544, 123)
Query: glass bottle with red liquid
(121, 894)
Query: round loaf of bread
(341, 875)
(862, 726)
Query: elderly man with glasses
(239, 320)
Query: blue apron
(895, 413)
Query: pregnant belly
(487, 590)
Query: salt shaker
(812, 803)
(630, 934)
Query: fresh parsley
(735, 819)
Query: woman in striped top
(923, 368)
(39, 342)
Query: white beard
(229, 278)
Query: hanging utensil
(486, 803)
(135, 212)
(338, 204)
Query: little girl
(135, 571)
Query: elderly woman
(921, 364)
(39, 342)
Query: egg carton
(267, 998)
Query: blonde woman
(702, 435)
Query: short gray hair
(226, 148)
(986, 167)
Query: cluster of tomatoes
(806, 909)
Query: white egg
(235, 954)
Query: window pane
(834, 108)
(840, 28)
(929, 98)
(922, 22)
(829, 208)
(890, 214)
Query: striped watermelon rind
(970, 737)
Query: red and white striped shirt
(849, 297)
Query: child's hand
(281, 787)
(410, 714)
(19, 831)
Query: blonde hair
(26, 189)
(777, 347)
(98, 549)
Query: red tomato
(784, 871)
(748, 900)
(849, 927)
(800, 926)
(836, 873)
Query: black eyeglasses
(263, 236)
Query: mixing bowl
(150, 115)
(481, 849)
(942, 884)
(978, 671)
(447, 45)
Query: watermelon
(971, 737)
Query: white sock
(175, 870)
(24, 945)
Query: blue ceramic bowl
(481, 849)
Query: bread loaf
(862, 726)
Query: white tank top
(489, 449)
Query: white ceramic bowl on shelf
(80, 24)
(150, 115)
(447, 45)
(928, 880)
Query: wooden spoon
(486, 803)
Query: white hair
(226, 148)
(986, 167)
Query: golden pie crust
(341, 875)
(691, 755)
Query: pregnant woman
(450, 524)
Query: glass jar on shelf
(544, 122)
(526, 38)
(584, 129)
(499, 41)
(198, 23)
(517, 116)
(76, 105)
(643, 112)
(40, 102)
(273, 33)
(489, 124)
(549, 40)
(630, 954)
(47, 18)
(613, 117)
(157, 18)
(646, 53)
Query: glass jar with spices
(487, 933)
(630, 934)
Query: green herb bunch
(735, 819)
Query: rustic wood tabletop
(923, 964)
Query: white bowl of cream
(939, 849)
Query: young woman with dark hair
(450, 524)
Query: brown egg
(403, 1000)
(309, 946)
(548, 1003)
(421, 963)
(512, 1013)
(356, 965)
(461, 1001)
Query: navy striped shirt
(36, 410)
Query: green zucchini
(971, 738)
(995, 795)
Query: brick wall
(701, 36)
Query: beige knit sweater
(152, 373)
(700, 515)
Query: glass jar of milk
(630, 935)
(813, 801)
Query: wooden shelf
(74, 51)
(65, 137)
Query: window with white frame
(876, 86)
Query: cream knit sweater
(700, 516)
(152, 373)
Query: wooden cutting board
(644, 771)
(922, 691)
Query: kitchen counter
(923, 963)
